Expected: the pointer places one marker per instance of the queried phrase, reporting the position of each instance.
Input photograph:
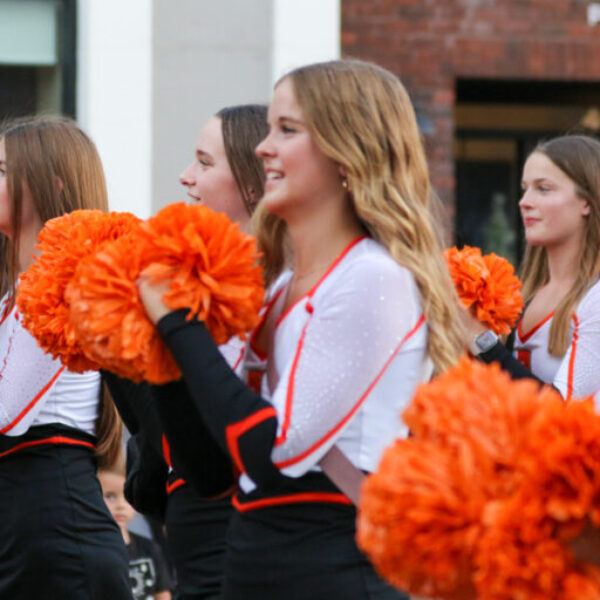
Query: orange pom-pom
(419, 519)
(109, 319)
(213, 272)
(488, 285)
(62, 243)
(212, 266)
(480, 404)
(525, 547)
(503, 458)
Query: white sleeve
(363, 325)
(27, 376)
(579, 373)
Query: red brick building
(489, 79)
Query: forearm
(500, 354)
(194, 453)
(242, 423)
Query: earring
(345, 183)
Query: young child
(148, 572)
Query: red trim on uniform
(295, 459)
(252, 341)
(572, 358)
(57, 439)
(254, 380)
(312, 290)
(239, 360)
(525, 336)
(33, 402)
(166, 450)
(171, 487)
(331, 497)
(6, 312)
(289, 399)
(524, 357)
(234, 431)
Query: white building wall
(114, 95)
(304, 32)
(207, 55)
(151, 72)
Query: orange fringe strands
(213, 272)
(62, 244)
(485, 497)
(488, 285)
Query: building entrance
(498, 123)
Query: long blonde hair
(361, 117)
(578, 157)
(61, 169)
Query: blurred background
(489, 79)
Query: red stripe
(291, 499)
(5, 312)
(259, 351)
(235, 430)
(572, 358)
(33, 402)
(171, 487)
(293, 460)
(57, 439)
(239, 360)
(525, 336)
(524, 357)
(289, 399)
(166, 450)
(331, 267)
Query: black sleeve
(195, 454)
(145, 485)
(131, 399)
(153, 410)
(243, 423)
(499, 353)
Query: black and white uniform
(574, 375)
(57, 538)
(345, 361)
(196, 521)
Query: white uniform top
(36, 389)
(345, 361)
(577, 373)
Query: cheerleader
(193, 496)
(557, 340)
(57, 538)
(366, 313)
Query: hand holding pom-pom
(487, 286)
(211, 270)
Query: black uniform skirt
(196, 531)
(297, 552)
(57, 539)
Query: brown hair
(118, 466)
(61, 168)
(361, 117)
(578, 157)
(243, 127)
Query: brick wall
(431, 43)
